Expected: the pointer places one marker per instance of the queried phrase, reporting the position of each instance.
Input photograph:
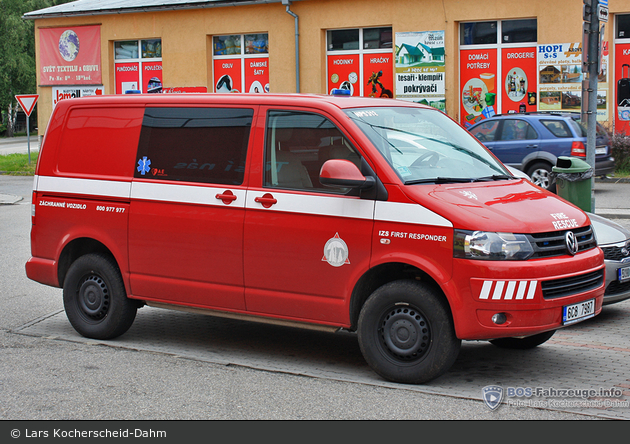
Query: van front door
(305, 245)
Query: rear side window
(206, 145)
(516, 129)
(558, 128)
(486, 131)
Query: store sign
(420, 67)
(70, 55)
(519, 80)
(127, 77)
(73, 92)
(560, 78)
(343, 73)
(227, 75)
(478, 85)
(257, 75)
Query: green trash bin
(573, 181)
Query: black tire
(406, 333)
(523, 343)
(540, 175)
(95, 299)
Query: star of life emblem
(336, 251)
(492, 395)
(144, 165)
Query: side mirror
(342, 173)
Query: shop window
(361, 61)
(207, 145)
(241, 63)
(343, 39)
(623, 26)
(519, 31)
(478, 33)
(512, 31)
(138, 65)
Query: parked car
(614, 240)
(532, 142)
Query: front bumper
(521, 291)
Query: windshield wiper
(493, 177)
(438, 180)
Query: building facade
(470, 59)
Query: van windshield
(425, 146)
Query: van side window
(297, 145)
(206, 145)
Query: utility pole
(592, 11)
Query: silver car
(614, 240)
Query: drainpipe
(297, 45)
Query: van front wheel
(95, 299)
(406, 333)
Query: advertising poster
(70, 55)
(257, 75)
(519, 85)
(152, 77)
(420, 68)
(560, 79)
(622, 86)
(227, 75)
(378, 75)
(478, 85)
(127, 77)
(72, 92)
(343, 73)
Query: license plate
(578, 312)
(601, 150)
(623, 274)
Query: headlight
(491, 246)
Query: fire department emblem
(336, 251)
(492, 396)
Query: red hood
(501, 206)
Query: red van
(378, 216)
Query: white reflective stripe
(203, 195)
(314, 205)
(532, 289)
(509, 292)
(35, 182)
(485, 290)
(109, 188)
(498, 293)
(408, 213)
(498, 290)
(521, 289)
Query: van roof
(241, 99)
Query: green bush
(621, 151)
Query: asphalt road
(179, 366)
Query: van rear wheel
(406, 333)
(95, 299)
(523, 343)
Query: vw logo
(572, 243)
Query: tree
(17, 55)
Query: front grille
(558, 288)
(553, 243)
(616, 253)
(616, 287)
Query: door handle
(532, 146)
(266, 200)
(227, 197)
